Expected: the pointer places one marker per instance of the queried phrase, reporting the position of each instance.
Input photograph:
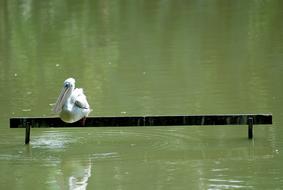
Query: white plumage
(71, 104)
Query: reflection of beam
(140, 121)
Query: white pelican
(71, 104)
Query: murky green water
(135, 58)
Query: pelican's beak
(61, 99)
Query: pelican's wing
(80, 99)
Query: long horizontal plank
(180, 120)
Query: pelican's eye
(67, 85)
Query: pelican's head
(68, 87)
(69, 83)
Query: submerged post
(250, 128)
(27, 137)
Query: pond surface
(143, 58)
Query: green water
(143, 58)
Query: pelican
(71, 104)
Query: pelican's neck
(69, 102)
(64, 99)
(68, 96)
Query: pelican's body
(72, 104)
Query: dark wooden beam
(143, 121)
(140, 121)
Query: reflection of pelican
(71, 104)
(80, 180)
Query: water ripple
(105, 155)
(52, 140)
